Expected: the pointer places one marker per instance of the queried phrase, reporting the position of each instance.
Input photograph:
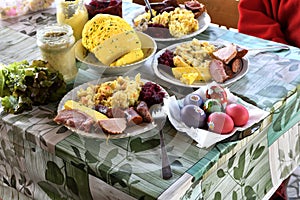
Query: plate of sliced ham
(197, 63)
(102, 121)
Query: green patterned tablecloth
(42, 160)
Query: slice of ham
(217, 71)
(74, 118)
(226, 54)
(113, 125)
(117, 113)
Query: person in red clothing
(276, 20)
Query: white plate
(203, 21)
(149, 48)
(129, 131)
(165, 72)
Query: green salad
(23, 85)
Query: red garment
(277, 20)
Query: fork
(272, 48)
(159, 118)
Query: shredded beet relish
(166, 58)
(113, 7)
(152, 94)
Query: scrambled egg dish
(180, 21)
(119, 93)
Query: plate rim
(177, 82)
(205, 17)
(144, 127)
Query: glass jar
(72, 13)
(56, 43)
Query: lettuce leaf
(23, 85)
(16, 105)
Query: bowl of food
(115, 48)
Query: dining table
(41, 159)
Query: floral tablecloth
(42, 160)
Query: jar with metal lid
(56, 43)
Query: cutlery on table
(149, 8)
(159, 117)
(274, 48)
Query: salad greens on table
(23, 85)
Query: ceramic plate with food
(83, 55)
(87, 109)
(181, 23)
(115, 48)
(196, 63)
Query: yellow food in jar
(76, 20)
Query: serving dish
(129, 131)
(165, 72)
(203, 21)
(149, 48)
(204, 137)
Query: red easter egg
(238, 113)
(220, 122)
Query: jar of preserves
(72, 13)
(56, 43)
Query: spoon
(149, 8)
